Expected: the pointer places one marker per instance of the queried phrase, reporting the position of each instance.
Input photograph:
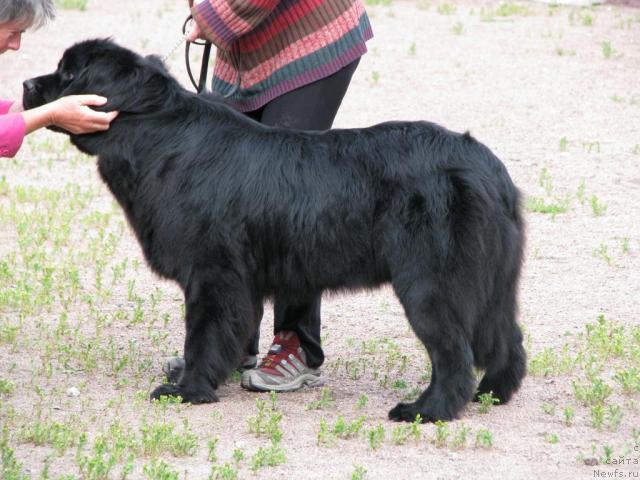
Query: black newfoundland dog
(235, 212)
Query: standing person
(71, 113)
(285, 63)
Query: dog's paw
(405, 412)
(166, 390)
(496, 392)
(187, 395)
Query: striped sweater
(269, 47)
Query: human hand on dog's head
(73, 114)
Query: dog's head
(132, 84)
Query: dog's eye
(67, 77)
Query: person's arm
(223, 21)
(5, 106)
(71, 113)
(16, 107)
(12, 132)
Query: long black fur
(235, 212)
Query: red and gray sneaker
(284, 369)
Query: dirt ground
(553, 91)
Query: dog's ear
(130, 87)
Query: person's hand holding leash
(195, 33)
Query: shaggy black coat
(235, 212)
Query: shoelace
(275, 355)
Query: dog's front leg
(217, 324)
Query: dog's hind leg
(440, 326)
(219, 321)
(503, 382)
(497, 340)
(505, 362)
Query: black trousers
(311, 107)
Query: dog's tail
(488, 217)
(486, 202)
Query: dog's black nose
(29, 86)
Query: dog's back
(331, 205)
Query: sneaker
(247, 363)
(174, 366)
(284, 369)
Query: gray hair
(34, 13)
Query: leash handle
(204, 68)
(201, 85)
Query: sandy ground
(520, 84)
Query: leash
(201, 84)
(204, 67)
(175, 47)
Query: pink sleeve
(12, 131)
(5, 105)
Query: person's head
(18, 15)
